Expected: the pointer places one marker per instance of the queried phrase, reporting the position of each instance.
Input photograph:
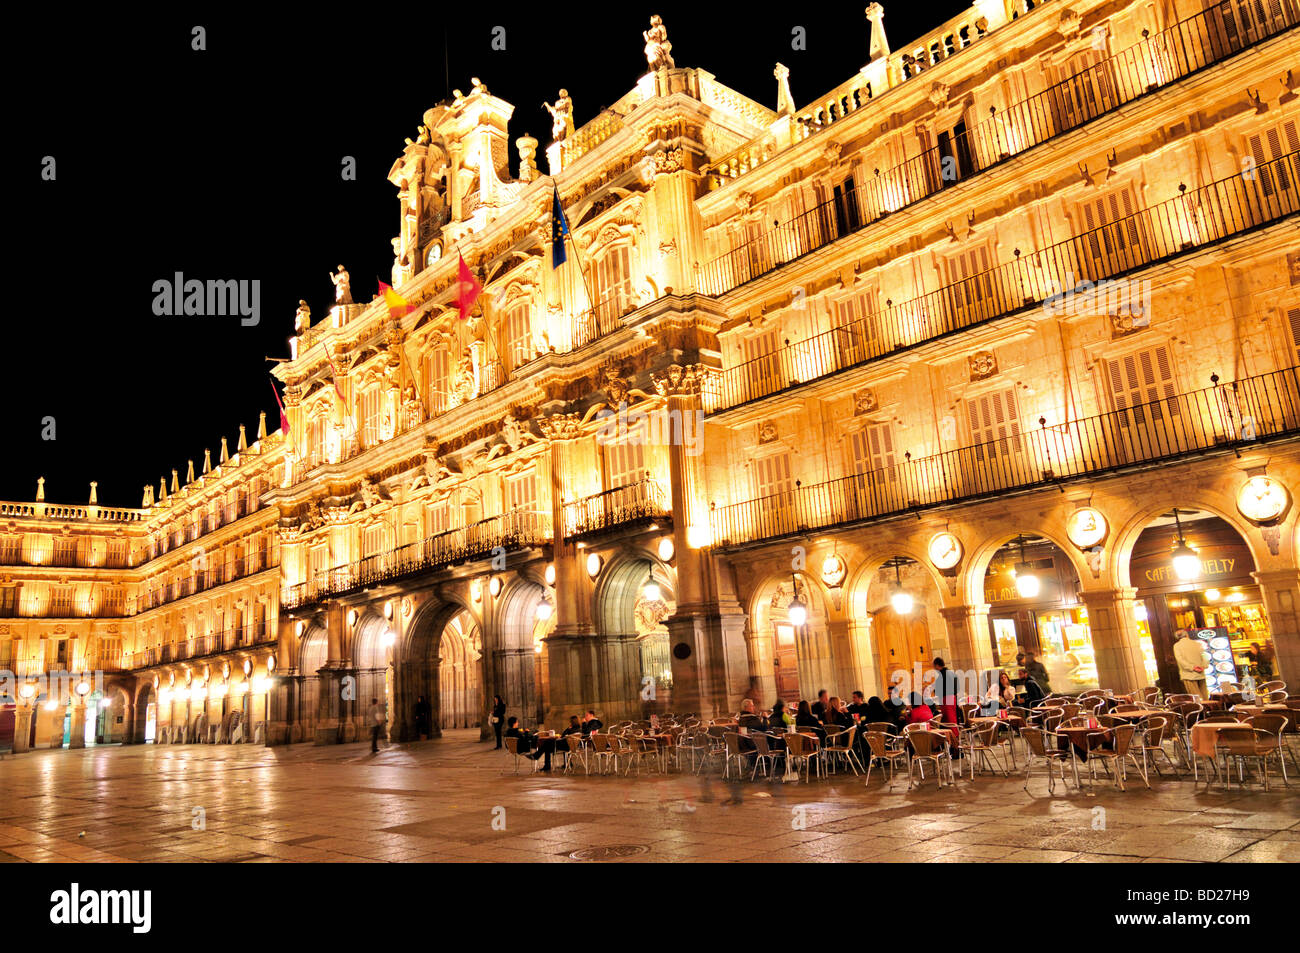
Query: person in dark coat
(423, 719)
(498, 717)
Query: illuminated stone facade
(841, 332)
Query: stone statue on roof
(342, 286)
(561, 116)
(658, 51)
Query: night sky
(225, 164)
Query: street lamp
(899, 597)
(1187, 565)
(651, 589)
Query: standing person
(945, 691)
(1192, 661)
(1037, 685)
(376, 716)
(423, 719)
(498, 717)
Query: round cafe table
(1080, 738)
(1136, 715)
(1261, 709)
(1015, 721)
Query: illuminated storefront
(1216, 592)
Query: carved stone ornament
(865, 402)
(832, 152)
(1293, 267)
(767, 432)
(560, 426)
(1069, 24)
(680, 379)
(515, 433)
(1126, 321)
(670, 160)
(938, 94)
(982, 364)
(616, 387)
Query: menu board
(1221, 667)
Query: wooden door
(785, 661)
(901, 642)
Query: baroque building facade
(950, 361)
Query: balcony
(248, 565)
(511, 531)
(641, 502)
(204, 646)
(1157, 61)
(1219, 418)
(1192, 220)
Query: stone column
(860, 672)
(1113, 624)
(762, 668)
(1280, 589)
(969, 646)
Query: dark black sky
(226, 164)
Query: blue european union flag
(559, 231)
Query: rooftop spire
(189, 472)
(261, 426)
(176, 488)
(94, 495)
(225, 454)
(146, 500)
(40, 489)
(207, 461)
(162, 489)
(879, 43)
(243, 440)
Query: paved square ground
(455, 800)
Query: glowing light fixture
(83, 688)
(270, 664)
(651, 589)
(388, 639)
(51, 705)
(550, 574)
(1028, 584)
(666, 549)
(1140, 612)
(698, 537)
(494, 586)
(796, 611)
(388, 609)
(1187, 565)
(544, 610)
(28, 691)
(1212, 595)
(900, 598)
(352, 617)
(593, 564)
(834, 570)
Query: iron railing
(202, 646)
(605, 318)
(1201, 40)
(251, 563)
(514, 530)
(1193, 219)
(1222, 417)
(643, 500)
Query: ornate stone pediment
(680, 379)
(516, 433)
(560, 426)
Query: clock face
(833, 570)
(945, 551)
(1262, 499)
(1086, 528)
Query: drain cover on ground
(609, 853)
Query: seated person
(804, 718)
(921, 713)
(529, 745)
(575, 727)
(858, 706)
(749, 718)
(591, 723)
(836, 716)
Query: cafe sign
(1222, 568)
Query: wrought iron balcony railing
(514, 530)
(1191, 220)
(252, 562)
(643, 500)
(1155, 62)
(203, 646)
(1222, 417)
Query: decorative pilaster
(1113, 622)
(1280, 589)
(970, 647)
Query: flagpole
(577, 256)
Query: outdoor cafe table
(1079, 737)
(1205, 736)
(1015, 721)
(1262, 709)
(1137, 715)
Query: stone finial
(784, 101)
(40, 489)
(243, 440)
(527, 147)
(879, 43)
(94, 492)
(261, 426)
(207, 461)
(176, 487)
(189, 472)
(225, 454)
(162, 489)
(147, 499)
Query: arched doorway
(903, 603)
(460, 673)
(634, 597)
(1035, 606)
(145, 724)
(312, 655)
(1210, 593)
(790, 652)
(372, 664)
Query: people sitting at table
(896, 703)
(921, 712)
(820, 706)
(591, 723)
(780, 719)
(528, 744)
(575, 727)
(1000, 693)
(876, 710)
(805, 719)
(1037, 686)
(836, 715)
(749, 719)
(858, 705)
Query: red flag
(284, 420)
(467, 289)
(334, 373)
(397, 305)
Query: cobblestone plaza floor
(449, 800)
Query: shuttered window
(994, 424)
(1110, 229)
(438, 375)
(1269, 144)
(761, 361)
(370, 416)
(857, 334)
(613, 274)
(967, 273)
(871, 450)
(519, 335)
(521, 493)
(1293, 321)
(625, 462)
(437, 518)
(1142, 378)
(372, 540)
(772, 476)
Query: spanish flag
(467, 289)
(397, 305)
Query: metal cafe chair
(766, 756)
(878, 743)
(577, 754)
(839, 747)
(928, 746)
(512, 753)
(1042, 748)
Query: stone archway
(442, 636)
(313, 651)
(631, 627)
